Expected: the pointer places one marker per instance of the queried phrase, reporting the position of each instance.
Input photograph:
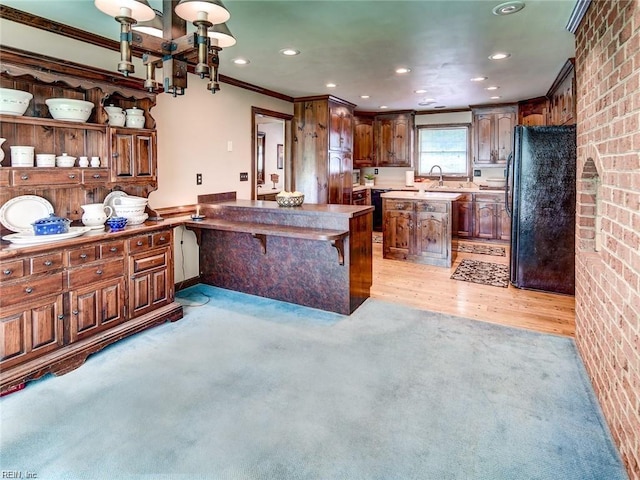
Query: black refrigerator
(541, 199)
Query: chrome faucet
(440, 182)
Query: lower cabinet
(61, 305)
(482, 216)
(433, 239)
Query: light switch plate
(244, 176)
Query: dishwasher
(376, 201)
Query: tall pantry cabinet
(322, 149)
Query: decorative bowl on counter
(22, 156)
(137, 219)
(130, 200)
(14, 102)
(51, 225)
(129, 210)
(65, 160)
(45, 159)
(116, 223)
(69, 109)
(290, 199)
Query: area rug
(481, 249)
(249, 388)
(377, 237)
(485, 273)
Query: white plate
(108, 200)
(20, 212)
(33, 239)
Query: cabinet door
(145, 155)
(151, 281)
(485, 220)
(503, 229)
(363, 143)
(483, 140)
(133, 155)
(340, 128)
(122, 153)
(504, 123)
(347, 130)
(28, 332)
(398, 232)
(432, 239)
(464, 226)
(401, 144)
(384, 130)
(335, 177)
(96, 308)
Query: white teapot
(95, 214)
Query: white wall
(193, 131)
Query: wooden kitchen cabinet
(133, 155)
(464, 216)
(361, 197)
(96, 307)
(491, 221)
(363, 144)
(493, 134)
(393, 136)
(321, 171)
(399, 221)
(433, 237)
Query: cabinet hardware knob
(75, 312)
(24, 177)
(72, 176)
(7, 272)
(98, 272)
(48, 263)
(139, 243)
(60, 317)
(114, 154)
(28, 290)
(113, 249)
(96, 175)
(83, 256)
(162, 239)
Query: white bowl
(69, 109)
(129, 211)
(137, 219)
(45, 159)
(130, 200)
(22, 156)
(65, 161)
(14, 102)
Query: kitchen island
(314, 255)
(417, 226)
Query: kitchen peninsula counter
(417, 226)
(314, 255)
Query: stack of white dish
(45, 159)
(69, 109)
(14, 102)
(132, 208)
(22, 156)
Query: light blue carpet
(249, 388)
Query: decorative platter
(20, 212)
(109, 199)
(33, 239)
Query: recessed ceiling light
(419, 91)
(499, 56)
(331, 85)
(241, 61)
(290, 52)
(365, 96)
(496, 97)
(478, 79)
(383, 106)
(493, 87)
(403, 70)
(508, 8)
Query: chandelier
(162, 35)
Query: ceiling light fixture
(499, 56)
(331, 85)
(479, 79)
(495, 97)
(365, 96)
(493, 87)
(420, 91)
(383, 106)
(402, 70)
(508, 8)
(290, 52)
(174, 53)
(241, 61)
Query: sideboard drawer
(140, 243)
(442, 207)
(95, 175)
(148, 262)
(46, 263)
(161, 239)
(11, 270)
(111, 249)
(81, 256)
(45, 176)
(79, 277)
(30, 289)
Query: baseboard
(189, 282)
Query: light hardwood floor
(430, 288)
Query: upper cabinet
(384, 140)
(340, 127)
(493, 134)
(562, 99)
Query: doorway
(271, 168)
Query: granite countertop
(434, 196)
(431, 186)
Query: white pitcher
(95, 214)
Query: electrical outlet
(244, 176)
(375, 171)
(198, 179)
(477, 173)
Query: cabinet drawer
(46, 263)
(30, 289)
(86, 275)
(398, 205)
(35, 176)
(432, 207)
(11, 270)
(111, 249)
(140, 243)
(95, 175)
(162, 239)
(359, 195)
(148, 262)
(489, 197)
(80, 256)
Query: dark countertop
(309, 209)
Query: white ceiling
(358, 44)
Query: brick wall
(608, 215)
